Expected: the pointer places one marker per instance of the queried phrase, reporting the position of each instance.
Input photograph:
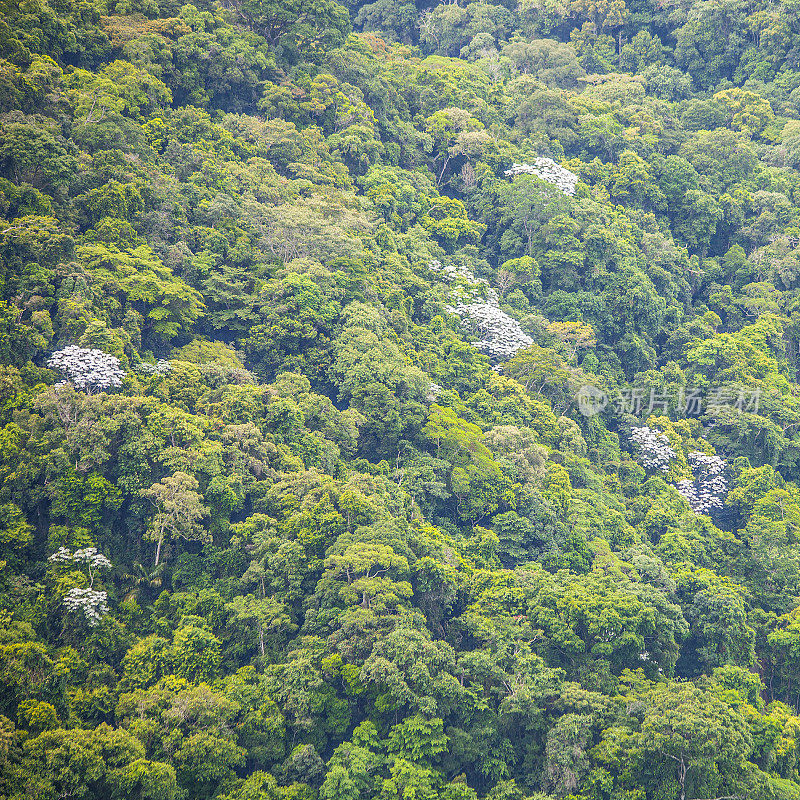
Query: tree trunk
(682, 778)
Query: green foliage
(340, 551)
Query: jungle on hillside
(400, 402)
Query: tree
(197, 653)
(407, 779)
(526, 206)
(371, 372)
(418, 739)
(567, 763)
(447, 219)
(87, 369)
(695, 737)
(92, 96)
(136, 280)
(723, 157)
(36, 154)
(542, 371)
(364, 566)
(179, 509)
(204, 761)
(317, 26)
(388, 17)
(709, 43)
(552, 62)
(476, 479)
(147, 780)
(140, 92)
(271, 618)
(747, 111)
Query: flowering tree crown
(87, 369)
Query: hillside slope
(399, 402)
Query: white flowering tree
(91, 603)
(87, 369)
(706, 491)
(161, 367)
(500, 335)
(548, 170)
(90, 557)
(655, 451)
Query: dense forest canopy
(399, 402)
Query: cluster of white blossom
(655, 451)
(92, 604)
(467, 287)
(90, 556)
(548, 170)
(62, 554)
(215, 375)
(501, 336)
(87, 369)
(161, 367)
(706, 493)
